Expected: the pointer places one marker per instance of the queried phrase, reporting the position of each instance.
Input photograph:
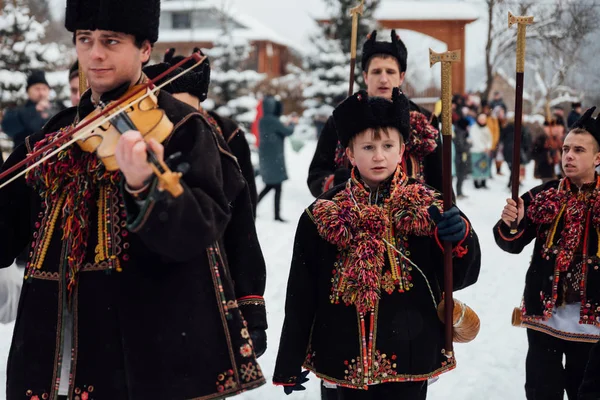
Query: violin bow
(76, 134)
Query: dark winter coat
(543, 292)
(270, 151)
(20, 122)
(160, 321)
(235, 137)
(330, 157)
(507, 138)
(590, 386)
(463, 151)
(323, 334)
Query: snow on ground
(491, 367)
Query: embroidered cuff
(254, 312)
(281, 381)
(458, 250)
(138, 210)
(504, 230)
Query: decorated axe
(354, 12)
(447, 59)
(522, 23)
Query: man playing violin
(127, 291)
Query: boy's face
(109, 59)
(580, 157)
(383, 76)
(376, 159)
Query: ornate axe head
(358, 10)
(449, 56)
(513, 19)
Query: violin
(99, 132)
(142, 115)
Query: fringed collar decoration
(358, 227)
(423, 138)
(549, 206)
(70, 181)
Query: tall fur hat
(395, 48)
(195, 82)
(139, 18)
(589, 124)
(360, 112)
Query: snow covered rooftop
(419, 10)
(245, 26)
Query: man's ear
(597, 159)
(350, 155)
(402, 148)
(364, 76)
(402, 76)
(146, 51)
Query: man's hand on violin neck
(133, 160)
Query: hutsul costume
(367, 274)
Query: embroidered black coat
(323, 165)
(161, 320)
(408, 337)
(542, 284)
(236, 140)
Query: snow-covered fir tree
(328, 62)
(232, 84)
(21, 52)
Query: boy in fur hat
(367, 268)
(127, 292)
(384, 68)
(561, 301)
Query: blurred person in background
(74, 83)
(20, 122)
(574, 115)
(271, 152)
(481, 149)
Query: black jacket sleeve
(300, 304)
(466, 259)
(526, 231)
(241, 149)
(15, 210)
(323, 165)
(246, 262)
(181, 228)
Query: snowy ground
(491, 367)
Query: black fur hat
(195, 82)
(36, 76)
(589, 124)
(395, 48)
(136, 17)
(360, 112)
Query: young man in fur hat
(367, 268)
(127, 292)
(561, 301)
(192, 89)
(384, 68)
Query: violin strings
(97, 124)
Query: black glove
(259, 341)
(300, 380)
(341, 175)
(451, 226)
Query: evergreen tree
(340, 26)
(232, 83)
(328, 62)
(21, 52)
